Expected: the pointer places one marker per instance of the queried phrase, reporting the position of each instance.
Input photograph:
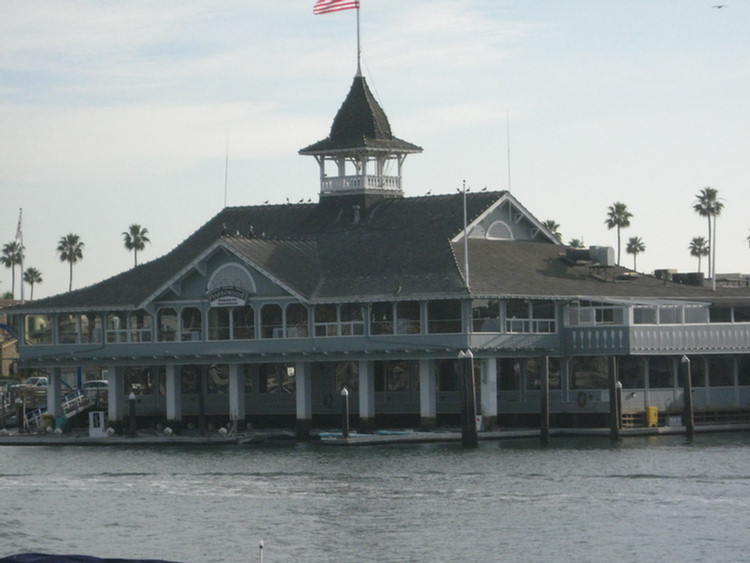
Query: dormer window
(499, 230)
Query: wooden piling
(614, 411)
(544, 403)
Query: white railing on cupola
(341, 184)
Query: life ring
(582, 399)
(328, 401)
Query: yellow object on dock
(652, 417)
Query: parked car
(35, 382)
(95, 387)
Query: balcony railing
(358, 183)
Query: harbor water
(578, 500)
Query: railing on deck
(350, 183)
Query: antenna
(507, 134)
(226, 170)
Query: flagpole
(359, 47)
(19, 235)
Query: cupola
(360, 156)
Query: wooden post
(687, 385)
(544, 402)
(614, 414)
(469, 437)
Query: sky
(159, 113)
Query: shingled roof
(399, 249)
(360, 123)
(321, 251)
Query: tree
(70, 248)
(707, 205)
(698, 248)
(135, 239)
(576, 243)
(618, 217)
(635, 246)
(12, 256)
(553, 228)
(32, 276)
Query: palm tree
(553, 227)
(12, 256)
(576, 243)
(618, 216)
(70, 248)
(135, 239)
(32, 276)
(635, 246)
(708, 205)
(698, 248)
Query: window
(396, 376)
(743, 374)
(381, 318)
(296, 321)
(192, 324)
(117, 327)
(243, 322)
(631, 373)
(38, 329)
(67, 329)
(352, 319)
(218, 379)
(325, 320)
(276, 378)
(660, 373)
(670, 315)
(271, 321)
(91, 327)
(720, 372)
(589, 372)
(166, 320)
(508, 374)
(499, 230)
(408, 318)
(720, 315)
(346, 375)
(444, 317)
(218, 323)
(644, 315)
(485, 315)
(533, 373)
(448, 376)
(140, 326)
(696, 315)
(742, 314)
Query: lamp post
(469, 437)
(687, 416)
(20, 412)
(345, 422)
(131, 400)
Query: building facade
(266, 313)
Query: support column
(427, 395)
(236, 396)
(366, 397)
(488, 394)
(303, 381)
(54, 393)
(173, 386)
(115, 397)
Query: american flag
(328, 6)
